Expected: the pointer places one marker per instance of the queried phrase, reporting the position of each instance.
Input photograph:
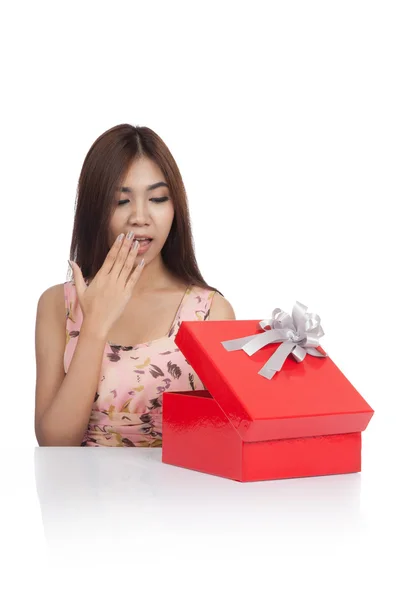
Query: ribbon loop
(299, 335)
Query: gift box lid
(308, 398)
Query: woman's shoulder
(52, 300)
(54, 293)
(219, 307)
(213, 303)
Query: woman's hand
(104, 299)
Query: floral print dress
(127, 406)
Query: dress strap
(197, 304)
(73, 312)
(176, 321)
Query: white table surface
(120, 520)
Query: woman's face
(146, 212)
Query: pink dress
(127, 407)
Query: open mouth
(144, 245)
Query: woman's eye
(162, 199)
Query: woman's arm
(63, 402)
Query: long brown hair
(103, 170)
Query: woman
(105, 348)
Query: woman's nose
(140, 211)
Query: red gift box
(305, 421)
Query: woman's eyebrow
(153, 186)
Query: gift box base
(197, 435)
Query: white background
(284, 120)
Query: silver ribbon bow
(299, 333)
